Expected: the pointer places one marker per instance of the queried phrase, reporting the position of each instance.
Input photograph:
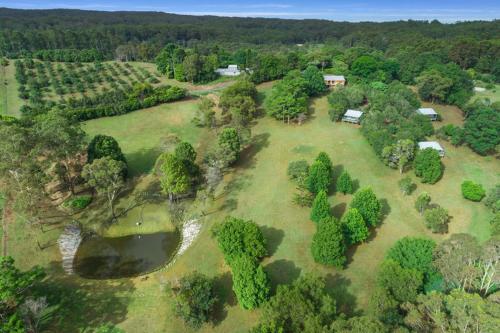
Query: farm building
(334, 80)
(428, 112)
(352, 116)
(431, 144)
(231, 70)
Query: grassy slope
(139, 133)
(260, 190)
(10, 103)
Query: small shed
(334, 80)
(428, 112)
(231, 70)
(431, 144)
(352, 116)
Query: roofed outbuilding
(428, 112)
(352, 116)
(431, 144)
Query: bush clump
(472, 191)
(79, 202)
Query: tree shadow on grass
(223, 287)
(273, 238)
(385, 210)
(282, 271)
(337, 286)
(83, 305)
(247, 156)
(229, 205)
(339, 210)
(142, 161)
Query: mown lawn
(140, 133)
(258, 189)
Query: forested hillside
(31, 30)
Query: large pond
(118, 257)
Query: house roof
(334, 77)
(235, 67)
(353, 114)
(427, 111)
(430, 144)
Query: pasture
(257, 188)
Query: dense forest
(147, 32)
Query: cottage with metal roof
(428, 112)
(334, 80)
(431, 144)
(352, 116)
(231, 70)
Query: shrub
(344, 183)
(79, 202)
(237, 237)
(354, 227)
(194, 299)
(320, 207)
(298, 170)
(492, 199)
(328, 245)
(406, 185)
(368, 206)
(428, 166)
(472, 191)
(437, 219)
(422, 202)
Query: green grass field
(139, 133)
(492, 94)
(10, 103)
(258, 189)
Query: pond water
(118, 257)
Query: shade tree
(250, 282)
(320, 207)
(428, 166)
(415, 253)
(345, 183)
(194, 299)
(105, 175)
(237, 237)
(175, 178)
(354, 227)
(328, 245)
(319, 178)
(303, 306)
(368, 206)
